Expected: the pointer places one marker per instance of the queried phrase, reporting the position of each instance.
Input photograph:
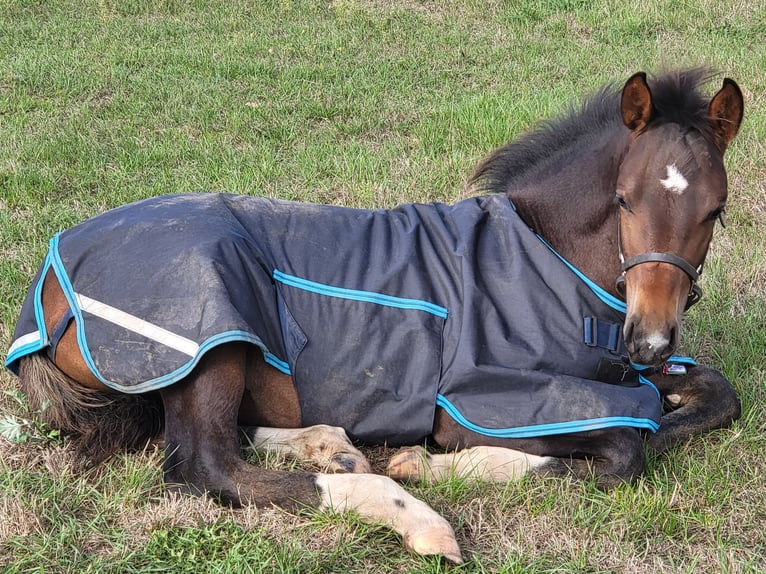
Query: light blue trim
(38, 307)
(546, 429)
(682, 360)
(644, 381)
(42, 333)
(609, 299)
(277, 363)
(673, 359)
(356, 295)
(186, 368)
(68, 290)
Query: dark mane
(676, 99)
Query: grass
(363, 103)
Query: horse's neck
(573, 210)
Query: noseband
(695, 291)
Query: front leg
(611, 456)
(700, 401)
(487, 463)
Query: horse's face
(670, 192)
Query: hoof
(349, 462)
(439, 540)
(409, 464)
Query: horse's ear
(725, 111)
(636, 103)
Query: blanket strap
(602, 334)
(58, 332)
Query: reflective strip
(24, 345)
(24, 340)
(356, 295)
(136, 325)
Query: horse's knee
(622, 467)
(702, 389)
(716, 391)
(700, 401)
(626, 460)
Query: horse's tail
(99, 423)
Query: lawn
(366, 103)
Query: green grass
(363, 103)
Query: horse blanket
(378, 315)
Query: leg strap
(58, 332)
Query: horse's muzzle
(657, 293)
(650, 345)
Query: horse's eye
(620, 201)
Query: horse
(622, 193)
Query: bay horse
(624, 191)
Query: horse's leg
(488, 463)
(701, 400)
(203, 455)
(611, 456)
(326, 446)
(270, 417)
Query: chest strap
(602, 334)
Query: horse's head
(671, 190)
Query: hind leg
(326, 446)
(202, 456)
(202, 444)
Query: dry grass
(665, 523)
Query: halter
(695, 291)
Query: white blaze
(675, 182)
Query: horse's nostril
(627, 333)
(673, 337)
